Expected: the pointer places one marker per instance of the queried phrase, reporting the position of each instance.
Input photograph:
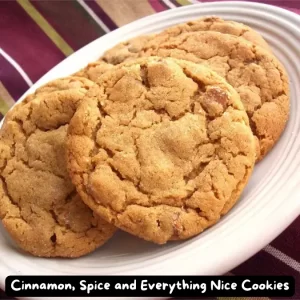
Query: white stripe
(169, 3)
(194, 1)
(283, 257)
(93, 15)
(16, 66)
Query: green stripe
(4, 107)
(183, 2)
(46, 27)
(80, 29)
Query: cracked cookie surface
(126, 50)
(39, 205)
(256, 74)
(161, 148)
(93, 70)
(129, 50)
(214, 24)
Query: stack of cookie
(157, 138)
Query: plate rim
(290, 214)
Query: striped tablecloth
(36, 35)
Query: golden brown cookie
(39, 205)
(93, 70)
(161, 148)
(255, 73)
(215, 24)
(130, 49)
(125, 50)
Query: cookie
(125, 50)
(130, 49)
(255, 73)
(215, 24)
(93, 70)
(161, 148)
(39, 205)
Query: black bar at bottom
(150, 286)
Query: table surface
(35, 37)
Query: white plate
(269, 204)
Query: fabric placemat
(36, 35)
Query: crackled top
(126, 50)
(130, 49)
(93, 70)
(39, 205)
(256, 74)
(214, 24)
(161, 148)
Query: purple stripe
(164, 4)
(11, 79)
(3, 296)
(264, 263)
(175, 3)
(290, 4)
(286, 3)
(80, 29)
(157, 5)
(101, 14)
(286, 242)
(22, 39)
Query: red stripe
(264, 263)
(101, 14)
(22, 38)
(157, 5)
(78, 30)
(11, 79)
(286, 242)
